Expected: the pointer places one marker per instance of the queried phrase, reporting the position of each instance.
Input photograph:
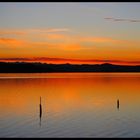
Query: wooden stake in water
(40, 111)
(118, 104)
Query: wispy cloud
(67, 60)
(12, 32)
(99, 39)
(55, 39)
(56, 36)
(58, 30)
(121, 19)
(11, 42)
(30, 31)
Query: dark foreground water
(73, 105)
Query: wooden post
(118, 104)
(40, 111)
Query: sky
(70, 32)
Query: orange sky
(52, 46)
(90, 37)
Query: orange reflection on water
(65, 92)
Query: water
(73, 105)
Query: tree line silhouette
(26, 67)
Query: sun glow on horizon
(61, 38)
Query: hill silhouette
(24, 67)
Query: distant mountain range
(24, 67)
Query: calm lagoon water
(73, 105)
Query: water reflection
(63, 93)
(77, 105)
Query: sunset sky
(82, 32)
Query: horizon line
(107, 63)
(54, 60)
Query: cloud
(103, 40)
(121, 19)
(99, 39)
(15, 59)
(66, 46)
(70, 46)
(67, 60)
(53, 39)
(58, 30)
(48, 30)
(56, 36)
(11, 32)
(32, 31)
(11, 42)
